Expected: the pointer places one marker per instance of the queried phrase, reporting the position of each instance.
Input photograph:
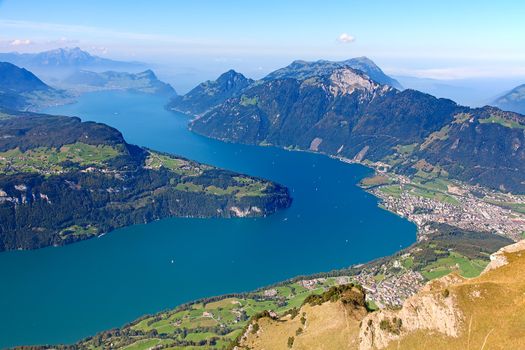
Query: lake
(62, 294)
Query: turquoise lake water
(60, 295)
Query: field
(50, 161)
(77, 230)
(180, 166)
(377, 180)
(247, 188)
(392, 190)
(517, 207)
(215, 322)
(466, 267)
(501, 121)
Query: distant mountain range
(145, 82)
(513, 100)
(340, 111)
(55, 65)
(21, 90)
(64, 58)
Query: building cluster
(476, 209)
(389, 289)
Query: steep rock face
(513, 101)
(427, 310)
(211, 93)
(458, 313)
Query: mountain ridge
(145, 82)
(61, 57)
(300, 68)
(20, 89)
(514, 100)
(305, 113)
(63, 180)
(211, 93)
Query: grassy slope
(492, 311)
(492, 305)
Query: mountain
(303, 69)
(448, 313)
(63, 180)
(513, 101)
(20, 89)
(211, 93)
(62, 58)
(342, 112)
(56, 65)
(145, 82)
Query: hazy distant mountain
(341, 111)
(513, 101)
(211, 93)
(20, 89)
(304, 69)
(474, 92)
(59, 63)
(145, 82)
(62, 58)
(19, 80)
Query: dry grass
(328, 326)
(493, 306)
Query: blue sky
(438, 39)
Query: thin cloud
(80, 29)
(21, 42)
(454, 73)
(63, 41)
(346, 38)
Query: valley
(208, 255)
(216, 175)
(459, 224)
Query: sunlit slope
(487, 312)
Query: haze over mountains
(145, 82)
(58, 63)
(68, 74)
(20, 89)
(514, 100)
